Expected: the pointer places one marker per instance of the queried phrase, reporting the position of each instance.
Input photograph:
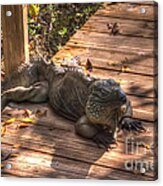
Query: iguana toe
(132, 125)
(103, 140)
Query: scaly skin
(99, 107)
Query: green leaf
(63, 31)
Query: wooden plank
(15, 36)
(138, 64)
(37, 165)
(54, 125)
(139, 24)
(140, 141)
(142, 2)
(79, 44)
(146, 2)
(63, 168)
(126, 28)
(135, 85)
(104, 41)
(128, 11)
(55, 122)
(54, 144)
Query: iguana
(99, 107)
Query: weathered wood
(70, 145)
(56, 127)
(136, 85)
(109, 60)
(56, 146)
(126, 28)
(129, 11)
(77, 152)
(142, 2)
(63, 168)
(15, 36)
(145, 2)
(56, 133)
(54, 122)
(104, 41)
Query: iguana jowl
(98, 106)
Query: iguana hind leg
(84, 129)
(36, 93)
(97, 133)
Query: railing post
(15, 36)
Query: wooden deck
(50, 148)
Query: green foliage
(34, 10)
(50, 26)
(63, 31)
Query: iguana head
(106, 97)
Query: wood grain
(129, 11)
(15, 36)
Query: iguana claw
(132, 125)
(103, 140)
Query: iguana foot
(36, 93)
(132, 125)
(103, 137)
(105, 140)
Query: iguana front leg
(98, 133)
(36, 93)
(127, 122)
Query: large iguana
(99, 107)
